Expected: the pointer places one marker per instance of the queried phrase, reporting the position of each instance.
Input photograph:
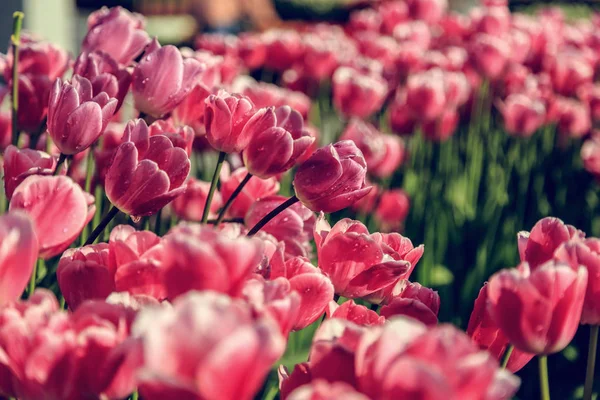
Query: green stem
(16, 43)
(158, 222)
(213, 186)
(235, 193)
(507, 354)
(105, 221)
(88, 188)
(591, 363)
(32, 280)
(544, 385)
(135, 396)
(61, 160)
(265, 220)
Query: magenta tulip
(21, 163)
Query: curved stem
(213, 186)
(507, 354)
(265, 220)
(61, 160)
(105, 221)
(16, 43)
(32, 280)
(544, 385)
(235, 193)
(232, 220)
(591, 363)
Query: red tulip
(357, 94)
(368, 140)
(266, 95)
(538, 246)
(393, 13)
(538, 310)
(484, 331)
(105, 75)
(430, 11)
(83, 274)
(201, 258)
(163, 79)
(230, 121)
(37, 58)
(314, 288)
(252, 50)
(426, 95)
(569, 71)
(277, 142)
(493, 20)
(401, 118)
(360, 264)
(116, 32)
(522, 115)
(366, 19)
(416, 32)
(320, 57)
(392, 209)
(343, 182)
(254, 190)
(190, 205)
(231, 354)
(58, 207)
(590, 154)
(76, 118)
(415, 301)
(323, 390)
(284, 48)
(146, 172)
(19, 164)
(18, 254)
(573, 116)
(490, 55)
(356, 313)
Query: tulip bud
(332, 178)
(75, 117)
(522, 115)
(278, 140)
(415, 301)
(490, 54)
(146, 172)
(116, 32)
(190, 205)
(21, 163)
(358, 94)
(163, 79)
(426, 94)
(353, 312)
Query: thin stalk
(16, 43)
(213, 186)
(507, 354)
(105, 221)
(32, 280)
(230, 220)
(135, 396)
(544, 385)
(35, 137)
(158, 222)
(265, 220)
(89, 171)
(235, 193)
(61, 160)
(591, 363)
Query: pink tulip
(18, 254)
(105, 75)
(19, 164)
(284, 48)
(343, 182)
(485, 333)
(252, 50)
(163, 79)
(176, 367)
(538, 310)
(569, 71)
(266, 95)
(190, 205)
(320, 58)
(366, 19)
(573, 116)
(191, 110)
(201, 258)
(83, 274)
(146, 172)
(180, 136)
(76, 118)
(278, 141)
(392, 209)
(441, 128)
(116, 32)
(393, 13)
(522, 115)
(430, 11)
(426, 95)
(230, 121)
(490, 55)
(590, 154)
(538, 246)
(415, 301)
(417, 32)
(58, 207)
(356, 313)
(323, 390)
(590, 94)
(492, 20)
(368, 140)
(401, 119)
(357, 94)
(37, 58)
(360, 264)
(255, 189)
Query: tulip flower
(392, 209)
(284, 48)
(357, 94)
(58, 207)
(18, 254)
(426, 95)
(34, 91)
(76, 118)
(278, 141)
(522, 115)
(590, 154)
(415, 301)
(332, 178)
(254, 190)
(538, 309)
(323, 390)
(430, 11)
(21, 163)
(252, 50)
(368, 140)
(180, 136)
(573, 117)
(146, 172)
(353, 312)
(116, 32)
(177, 367)
(190, 205)
(37, 58)
(490, 54)
(230, 121)
(538, 246)
(163, 79)
(360, 264)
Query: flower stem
(507, 354)
(61, 160)
(16, 43)
(32, 280)
(265, 220)
(213, 186)
(591, 363)
(235, 193)
(544, 385)
(105, 221)
(158, 222)
(88, 188)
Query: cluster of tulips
(124, 274)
